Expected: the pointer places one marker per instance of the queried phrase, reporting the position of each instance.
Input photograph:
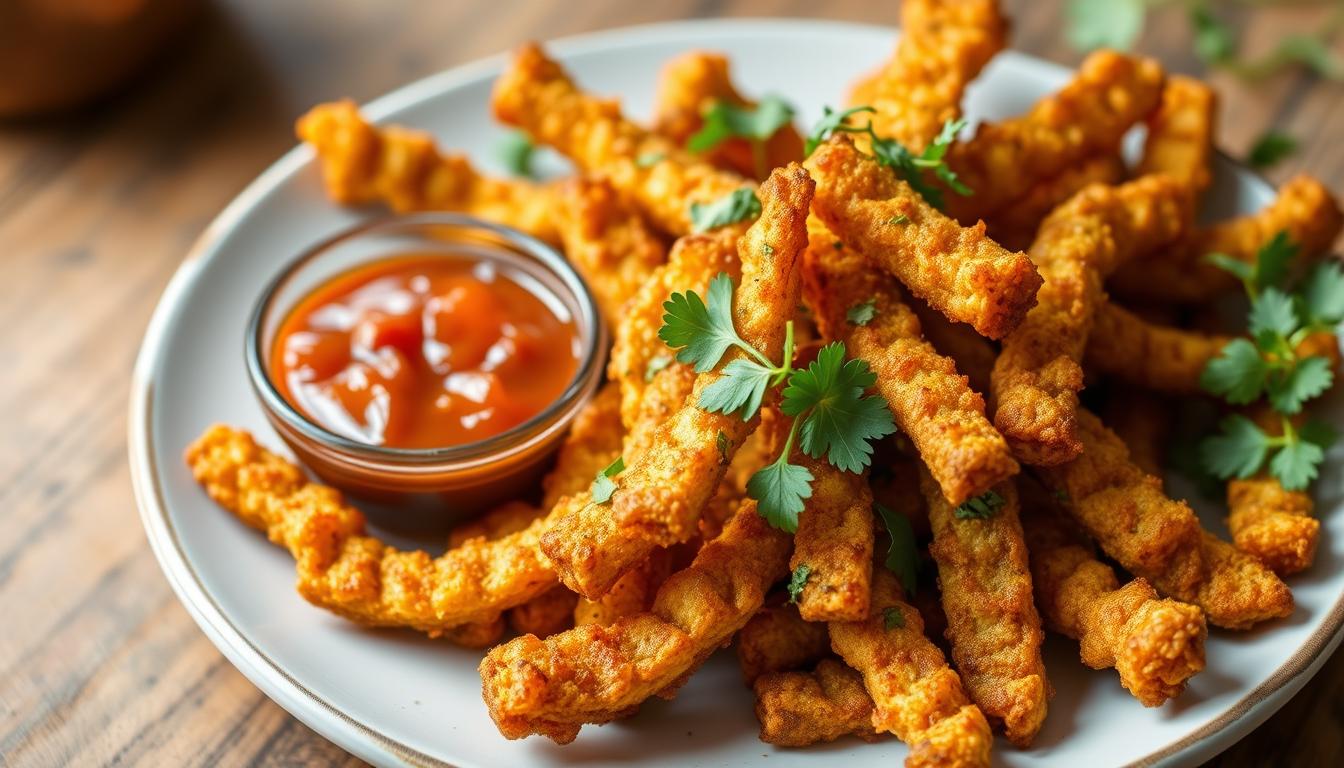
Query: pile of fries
(880, 261)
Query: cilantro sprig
(798, 580)
(912, 168)
(739, 205)
(980, 507)
(724, 121)
(603, 486)
(832, 417)
(902, 556)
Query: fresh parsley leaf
(1270, 148)
(603, 486)
(515, 152)
(1238, 450)
(725, 121)
(892, 618)
(798, 580)
(1092, 24)
(650, 159)
(1322, 295)
(779, 490)
(862, 313)
(1241, 270)
(741, 388)
(902, 557)
(891, 153)
(980, 508)
(840, 420)
(1318, 433)
(831, 122)
(701, 332)
(1296, 464)
(1214, 41)
(1273, 260)
(899, 220)
(1238, 374)
(1273, 311)
(1308, 378)
(739, 205)
(721, 441)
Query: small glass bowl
(417, 490)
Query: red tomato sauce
(425, 351)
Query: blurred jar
(56, 54)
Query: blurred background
(126, 125)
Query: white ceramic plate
(397, 698)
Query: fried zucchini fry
(631, 594)
(798, 709)
(991, 619)
(402, 168)
(916, 696)
(509, 517)
(596, 674)
(592, 444)
(1156, 645)
(1304, 209)
(536, 95)
(550, 612)
(606, 239)
(957, 270)
(835, 540)
(1015, 227)
(663, 492)
(688, 87)
(943, 46)
(1037, 377)
(1273, 524)
(972, 353)
(1156, 357)
(1088, 117)
(777, 639)
(932, 404)
(1180, 134)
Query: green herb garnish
(739, 205)
(603, 485)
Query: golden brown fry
(916, 696)
(477, 635)
(688, 87)
(1037, 377)
(550, 612)
(777, 639)
(509, 517)
(1180, 134)
(835, 541)
(991, 619)
(591, 445)
(957, 270)
(662, 493)
(1156, 645)
(1088, 117)
(932, 404)
(943, 46)
(797, 709)
(973, 354)
(1273, 524)
(1142, 421)
(402, 168)
(606, 239)
(1015, 227)
(631, 594)
(595, 674)
(1156, 357)
(536, 95)
(1304, 209)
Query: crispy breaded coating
(1037, 377)
(688, 87)
(500, 521)
(607, 240)
(991, 619)
(973, 353)
(477, 635)
(593, 442)
(916, 696)
(550, 612)
(1180, 134)
(1237, 591)
(835, 540)
(1142, 420)
(1015, 227)
(958, 270)
(403, 169)
(595, 674)
(1155, 644)
(537, 95)
(778, 639)
(798, 709)
(662, 493)
(931, 402)
(631, 594)
(1157, 357)
(943, 46)
(1273, 524)
(1304, 209)
(1088, 117)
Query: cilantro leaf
(722, 443)
(840, 420)
(1273, 311)
(724, 121)
(515, 152)
(656, 365)
(779, 490)
(1237, 374)
(798, 580)
(980, 508)
(603, 486)
(700, 331)
(1270, 149)
(902, 558)
(1272, 261)
(1238, 450)
(739, 205)
(1318, 433)
(1308, 378)
(741, 388)
(862, 313)
(1214, 42)
(1322, 295)
(892, 618)
(899, 220)
(1241, 270)
(831, 122)
(1296, 464)
(1092, 24)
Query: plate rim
(369, 743)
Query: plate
(394, 697)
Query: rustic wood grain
(99, 665)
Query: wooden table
(98, 662)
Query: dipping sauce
(426, 351)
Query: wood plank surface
(99, 664)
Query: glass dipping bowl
(420, 490)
